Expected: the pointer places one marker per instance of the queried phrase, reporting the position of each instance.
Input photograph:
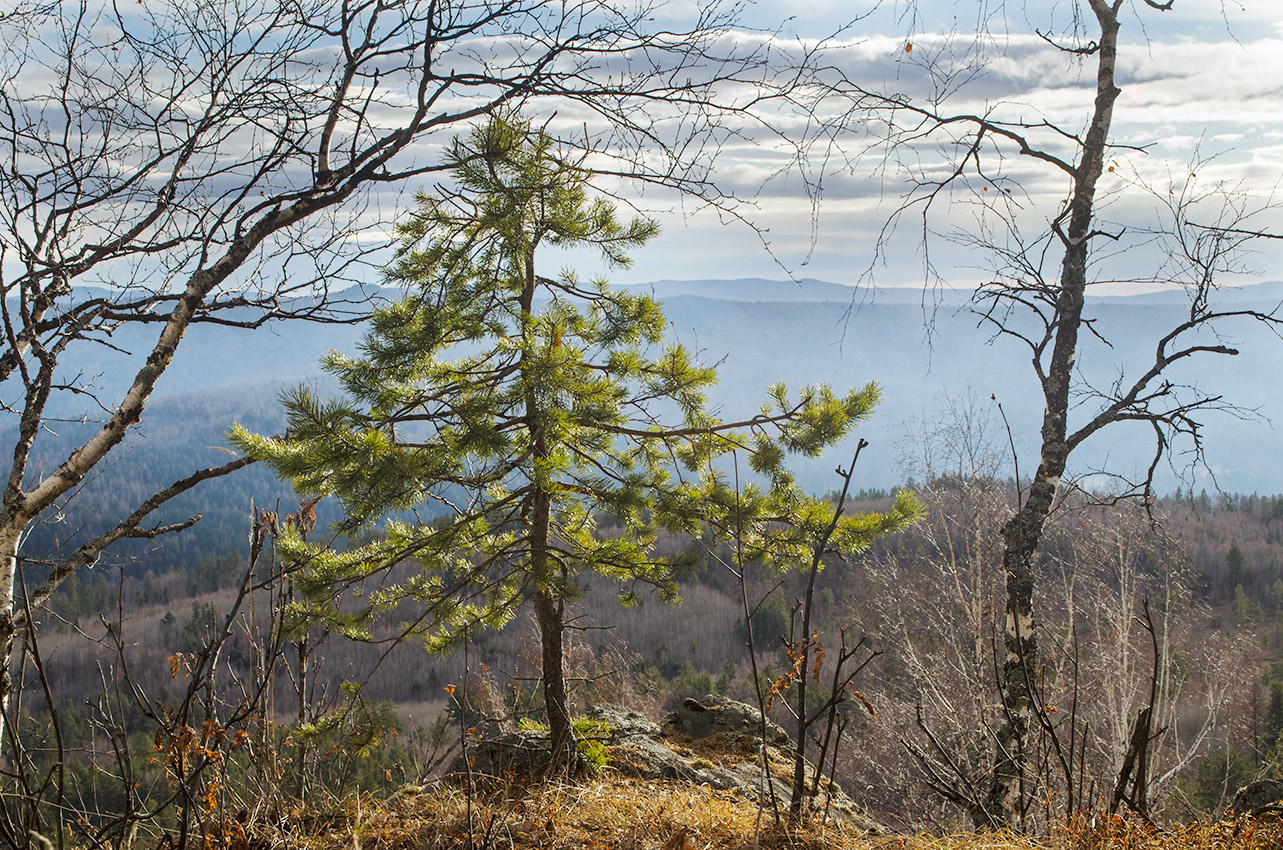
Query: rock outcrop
(1257, 798)
(711, 741)
(500, 749)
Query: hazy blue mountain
(803, 290)
(759, 333)
(1270, 293)
(809, 289)
(751, 289)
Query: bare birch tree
(1105, 572)
(1036, 298)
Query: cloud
(1189, 88)
(1182, 98)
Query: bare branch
(89, 552)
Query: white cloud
(1188, 84)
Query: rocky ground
(711, 742)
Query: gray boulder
(731, 722)
(504, 753)
(1257, 798)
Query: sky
(1200, 115)
(1201, 109)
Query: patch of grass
(599, 814)
(611, 813)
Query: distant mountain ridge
(805, 290)
(750, 289)
(811, 290)
(758, 332)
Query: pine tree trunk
(301, 779)
(797, 796)
(549, 612)
(550, 615)
(549, 606)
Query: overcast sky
(1201, 82)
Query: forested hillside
(1211, 570)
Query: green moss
(590, 739)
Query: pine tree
(1234, 565)
(1273, 720)
(526, 407)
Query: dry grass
(615, 814)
